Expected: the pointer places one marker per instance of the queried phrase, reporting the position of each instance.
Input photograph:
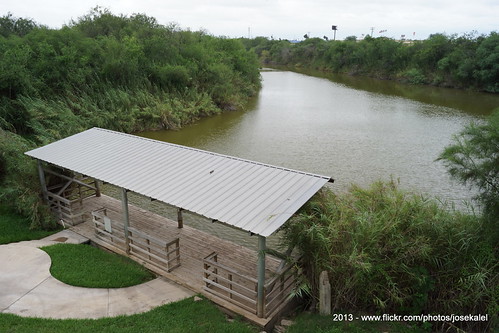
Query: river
(356, 130)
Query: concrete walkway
(27, 288)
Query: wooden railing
(239, 289)
(74, 188)
(155, 251)
(64, 209)
(66, 199)
(107, 230)
(229, 284)
(279, 288)
(165, 255)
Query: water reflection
(475, 103)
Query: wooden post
(79, 193)
(215, 270)
(97, 188)
(230, 286)
(126, 218)
(41, 175)
(206, 274)
(149, 249)
(180, 218)
(260, 302)
(324, 294)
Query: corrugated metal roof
(248, 195)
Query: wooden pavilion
(247, 195)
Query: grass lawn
(87, 266)
(14, 228)
(179, 317)
(313, 322)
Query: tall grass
(47, 120)
(390, 251)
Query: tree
(473, 159)
(10, 25)
(487, 55)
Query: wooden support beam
(69, 178)
(97, 188)
(260, 305)
(126, 219)
(43, 183)
(180, 218)
(64, 187)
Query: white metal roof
(248, 195)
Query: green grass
(313, 322)
(179, 317)
(14, 228)
(86, 266)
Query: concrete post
(126, 218)
(324, 294)
(261, 277)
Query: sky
(291, 19)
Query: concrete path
(27, 288)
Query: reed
(387, 250)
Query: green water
(356, 130)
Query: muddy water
(356, 130)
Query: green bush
(125, 73)
(388, 251)
(414, 76)
(473, 159)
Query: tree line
(126, 73)
(468, 61)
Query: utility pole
(372, 31)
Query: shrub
(414, 76)
(390, 251)
(125, 73)
(473, 159)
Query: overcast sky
(289, 19)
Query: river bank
(471, 102)
(464, 62)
